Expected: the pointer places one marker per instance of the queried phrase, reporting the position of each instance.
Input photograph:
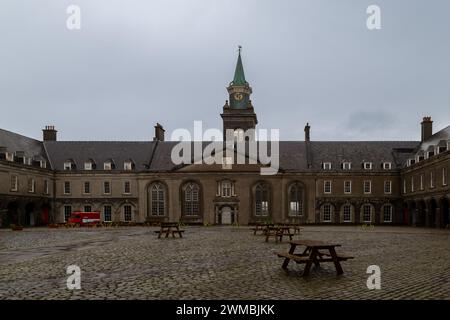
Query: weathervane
(239, 49)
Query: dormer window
(9, 156)
(27, 160)
(367, 165)
(69, 165)
(88, 165)
(43, 164)
(108, 165)
(442, 149)
(128, 165)
(386, 165)
(346, 165)
(326, 166)
(430, 154)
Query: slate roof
(99, 151)
(441, 135)
(14, 142)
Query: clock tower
(238, 114)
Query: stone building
(339, 182)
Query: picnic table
(261, 227)
(314, 252)
(278, 232)
(169, 227)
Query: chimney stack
(49, 133)
(427, 128)
(307, 129)
(159, 133)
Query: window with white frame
(106, 187)
(412, 184)
(367, 165)
(87, 187)
(387, 213)
(262, 194)
(387, 187)
(127, 216)
(421, 182)
(43, 164)
(404, 185)
(387, 165)
(191, 199)
(14, 182)
(67, 212)
(128, 165)
(430, 154)
(327, 186)
(88, 165)
(157, 199)
(441, 149)
(107, 165)
(326, 166)
(127, 187)
(431, 179)
(226, 189)
(367, 186)
(68, 165)
(444, 176)
(347, 187)
(46, 186)
(367, 213)
(107, 213)
(346, 165)
(347, 213)
(67, 187)
(31, 185)
(295, 200)
(326, 212)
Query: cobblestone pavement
(219, 263)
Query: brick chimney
(307, 129)
(49, 133)
(159, 133)
(427, 128)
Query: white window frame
(124, 213)
(88, 184)
(387, 165)
(346, 165)
(67, 166)
(88, 166)
(367, 165)
(43, 164)
(350, 185)
(224, 193)
(421, 182)
(325, 183)
(107, 165)
(65, 211)
(124, 187)
(9, 156)
(404, 186)
(390, 214)
(370, 186)
(14, 188)
(104, 189)
(388, 183)
(128, 166)
(350, 213)
(46, 186)
(412, 184)
(326, 166)
(444, 176)
(327, 205)
(104, 213)
(431, 179)
(67, 183)
(370, 213)
(32, 186)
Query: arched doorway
(421, 209)
(12, 214)
(45, 212)
(226, 215)
(29, 214)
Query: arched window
(157, 199)
(262, 199)
(191, 199)
(295, 200)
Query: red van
(85, 218)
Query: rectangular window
(87, 187)
(87, 209)
(107, 166)
(67, 166)
(388, 187)
(106, 187)
(387, 213)
(67, 187)
(14, 182)
(347, 213)
(421, 182)
(127, 187)
(444, 176)
(31, 185)
(43, 164)
(326, 213)
(412, 184)
(88, 166)
(346, 165)
(327, 186)
(127, 212)
(107, 216)
(387, 165)
(367, 187)
(326, 166)
(67, 213)
(367, 214)
(128, 166)
(404, 185)
(431, 179)
(46, 187)
(296, 208)
(347, 187)
(367, 165)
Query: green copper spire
(239, 77)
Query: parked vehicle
(84, 218)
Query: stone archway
(226, 215)
(30, 218)
(12, 214)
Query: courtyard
(220, 263)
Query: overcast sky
(135, 63)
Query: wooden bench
(278, 233)
(169, 228)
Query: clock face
(238, 96)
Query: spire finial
(239, 48)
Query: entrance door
(226, 215)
